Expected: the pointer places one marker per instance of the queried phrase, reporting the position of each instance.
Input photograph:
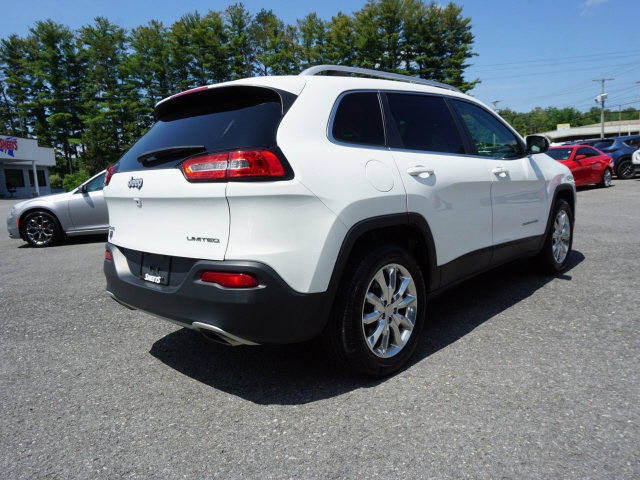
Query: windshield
(560, 153)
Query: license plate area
(155, 268)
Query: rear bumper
(271, 313)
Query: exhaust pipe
(220, 336)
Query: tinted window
(227, 119)
(13, 178)
(42, 181)
(424, 123)
(492, 137)
(96, 184)
(603, 144)
(358, 120)
(632, 142)
(560, 153)
(587, 151)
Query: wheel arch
(30, 210)
(566, 193)
(409, 230)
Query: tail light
(231, 280)
(608, 150)
(107, 254)
(110, 171)
(237, 164)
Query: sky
(529, 53)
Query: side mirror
(537, 143)
(83, 188)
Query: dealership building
(24, 167)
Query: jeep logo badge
(135, 183)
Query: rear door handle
(420, 171)
(500, 171)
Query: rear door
(448, 187)
(153, 206)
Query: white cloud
(587, 4)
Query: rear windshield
(216, 120)
(603, 144)
(560, 153)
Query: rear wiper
(168, 152)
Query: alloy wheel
(561, 236)
(389, 310)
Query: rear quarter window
(358, 120)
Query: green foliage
(91, 93)
(55, 181)
(72, 180)
(541, 120)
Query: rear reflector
(231, 280)
(107, 254)
(238, 164)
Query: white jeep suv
(276, 209)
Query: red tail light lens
(231, 280)
(608, 150)
(206, 168)
(110, 171)
(237, 164)
(107, 254)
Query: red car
(588, 165)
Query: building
(611, 129)
(24, 167)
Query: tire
(378, 314)
(41, 229)
(606, 179)
(625, 169)
(554, 256)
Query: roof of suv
(295, 83)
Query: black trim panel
(272, 313)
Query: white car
(275, 209)
(635, 158)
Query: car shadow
(301, 373)
(76, 240)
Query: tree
(313, 33)
(340, 40)
(240, 53)
(107, 112)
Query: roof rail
(341, 70)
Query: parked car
(620, 150)
(277, 209)
(44, 221)
(587, 164)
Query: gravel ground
(517, 376)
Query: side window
(424, 123)
(96, 184)
(358, 120)
(633, 142)
(586, 151)
(491, 137)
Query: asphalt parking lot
(517, 376)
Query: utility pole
(619, 119)
(600, 99)
(496, 102)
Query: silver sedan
(45, 220)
